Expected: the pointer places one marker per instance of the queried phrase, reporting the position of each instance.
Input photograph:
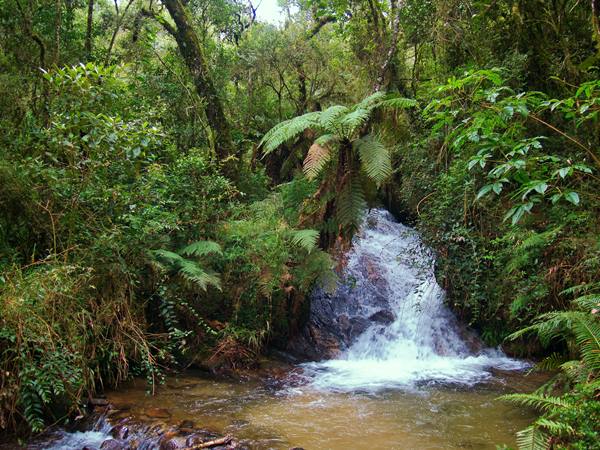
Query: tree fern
(190, 270)
(375, 158)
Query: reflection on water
(425, 418)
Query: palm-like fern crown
(338, 125)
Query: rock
(173, 443)
(88, 447)
(119, 432)
(186, 424)
(98, 402)
(157, 413)
(384, 316)
(113, 444)
(199, 437)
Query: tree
(193, 55)
(345, 157)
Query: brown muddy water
(429, 417)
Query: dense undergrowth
(149, 220)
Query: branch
(160, 19)
(320, 24)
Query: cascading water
(408, 335)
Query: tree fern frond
(398, 103)
(541, 402)
(316, 158)
(353, 120)
(351, 204)
(307, 239)
(375, 158)
(372, 101)
(532, 438)
(330, 115)
(289, 129)
(202, 248)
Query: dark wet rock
(114, 444)
(98, 402)
(186, 424)
(173, 443)
(88, 447)
(119, 432)
(384, 316)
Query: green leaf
(572, 197)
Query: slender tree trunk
(57, 26)
(113, 38)
(395, 13)
(89, 30)
(596, 19)
(193, 55)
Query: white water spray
(422, 342)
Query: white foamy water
(421, 341)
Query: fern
(201, 248)
(532, 438)
(316, 158)
(351, 204)
(189, 270)
(375, 158)
(353, 120)
(306, 239)
(399, 103)
(289, 129)
(540, 402)
(328, 118)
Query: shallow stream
(403, 374)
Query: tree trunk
(191, 51)
(395, 13)
(89, 30)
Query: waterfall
(408, 335)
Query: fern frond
(201, 248)
(167, 256)
(554, 427)
(375, 158)
(587, 335)
(307, 239)
(193, 273)
(532, 438)
(353, 120)
(372, 101)
(289, 129)
(540, 402)
(398, 103)
(316, 158)
(351, 204)
(552, 362)
(330, 115)
(588, 302)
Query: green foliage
(570, 418)
(345, 156)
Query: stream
(391, 369)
